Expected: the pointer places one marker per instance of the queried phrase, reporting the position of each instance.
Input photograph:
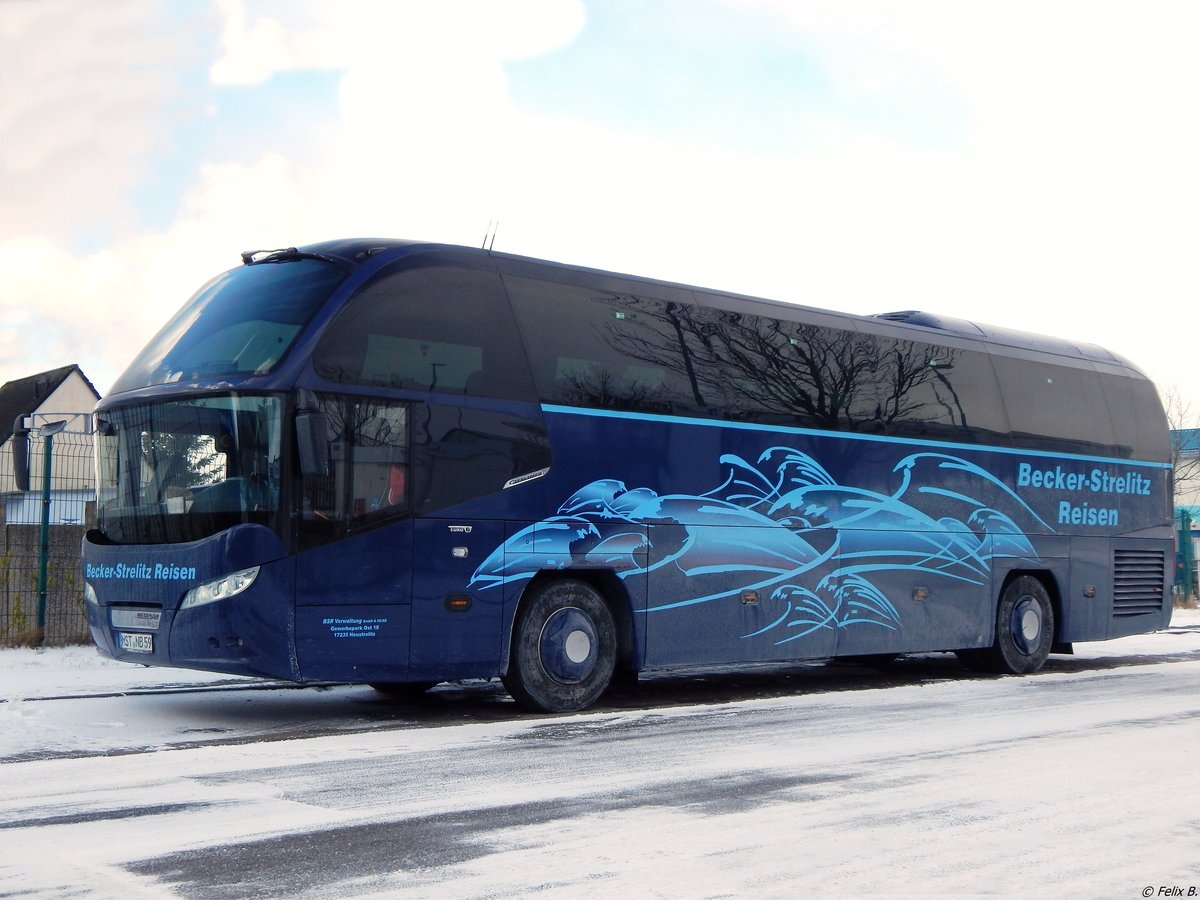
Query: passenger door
(354, 568)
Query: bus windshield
(180, 470)
(240, 323)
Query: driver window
(368, 468)
(379, 437)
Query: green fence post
(47, 433)
(1186, 551)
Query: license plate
(136, 643)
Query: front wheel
(1024, 629)
(564, 648)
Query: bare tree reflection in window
(764, 369)
(602, 389)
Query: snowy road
(1083, 780)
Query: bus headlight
(221, 589)
(89, 594)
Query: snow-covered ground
(71, 701)
(1079, 781)
(78, 671)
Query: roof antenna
(489, 237)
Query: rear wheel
(564, 648)
(1024, 629)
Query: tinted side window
(428, 328)
(804, 373)
(609, 349)
(616, 349)
(1056, 407)
(1138, 420)
(793, 373)
(368, 478)
(460, 454)
(389, 459)
(611, 345)
(756, 368)
(936, 391)
(621, 350)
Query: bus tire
(564, 648)
(1024, 628)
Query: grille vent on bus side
(1138, 577)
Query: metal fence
(41, 590)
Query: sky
(1024, 164)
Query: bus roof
(355, 251)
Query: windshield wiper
(286, 254)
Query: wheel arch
(1048, 581)
(610, 588)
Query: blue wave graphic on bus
(783, 526)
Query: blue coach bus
(401, 463)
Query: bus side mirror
(312, 441)
(20, 450)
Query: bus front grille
(1138, 578)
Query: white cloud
(411, 112)
(279, 38)
(85, 104)
(59, 307)
(1064, 202)
(1067, 207)
(429, 40)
